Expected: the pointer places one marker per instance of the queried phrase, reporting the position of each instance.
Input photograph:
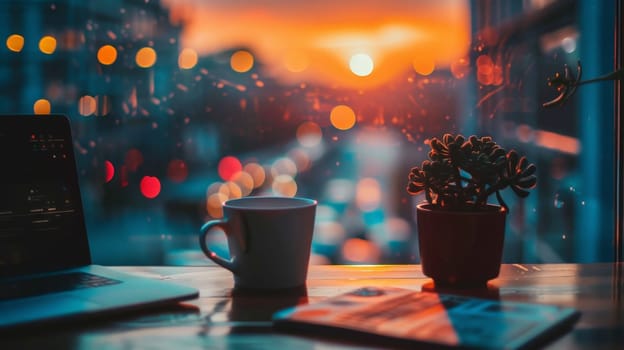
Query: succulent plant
(461, 174)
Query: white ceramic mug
(269, 239)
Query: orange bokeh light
(342, 117)
(242, 61)
(42, 106)
(423, 66)
(145, 57)
(187, 59)
(47, 45)
(15, 42)
(257, 173)
(107, 55)
(284, 185)
(87, 105)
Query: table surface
(221, 318)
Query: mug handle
(205, 229)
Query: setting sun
(361, 64)
(339, 43)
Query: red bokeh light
(228, 167)
(177, 170)
(150, 186)
(109, 171)
(134, 159)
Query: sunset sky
(316, 41)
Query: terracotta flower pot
(460, 249)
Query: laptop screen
(41, 219)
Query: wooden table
(225, 319)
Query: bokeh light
(360, 251)
(230, 190)
(109, 171)
(244, 181)
(309, 134)
(187, 59)
(460, 68)
(368, 194)
(177, 170)
(87, 105)
(423, 66)
(214, 204)
(133, 159)
(228, 166)
(47, 45)
(145, 57)
(342, 117)
(15, 42)
(284, 185)
(301, 158)
(257, 173)
(283, 166)
(107, 55)
(340, 190)
(242, 61)
(150, 187)
(42, 106)
(361, 64)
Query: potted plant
(460, 233)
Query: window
(179, 105)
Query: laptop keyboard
(52, 284)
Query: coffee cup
(269, 240)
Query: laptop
(46, 273)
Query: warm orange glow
(145, 57)
(107, 55)
(423, 66)
(559, 142)
(87, 105)
(314, 41)
(296, 62)
(42, 106)
(241, 61)
(15, 42)
(342, 117)
(187, 59)
(47, 45)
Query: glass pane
(178, 105)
